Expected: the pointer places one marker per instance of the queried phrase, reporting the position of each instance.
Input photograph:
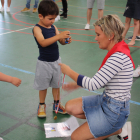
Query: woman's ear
(111, 37)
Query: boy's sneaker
(25, 9)
(126, 133)
(64, 15)
(60, 110)
(87, 27)
(41, 112)
(34, 10)
(137, 38)
(57, 18)
(2, 9)
(136, 72)
(61, 10)
(8, 9)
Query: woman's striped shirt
(116, 76)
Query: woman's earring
(109, 39)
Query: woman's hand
(65, 68)
(70, 86)
(68, 71)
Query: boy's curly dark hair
(48, 7)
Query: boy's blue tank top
(49, 53)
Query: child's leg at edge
(127, 26)
(135, 32)
(42, 96)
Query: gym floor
(19, 52)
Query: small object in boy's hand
(55, 117)
(66, 40)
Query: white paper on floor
(63, 129)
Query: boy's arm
(62, 40)
(13, 80)
(46, 42)
(40, 38)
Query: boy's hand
(16, 81)
(65, 34)
(69, 41)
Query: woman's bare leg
(74, 107)
(83, 133)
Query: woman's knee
(68, 107)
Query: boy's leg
(56, 96)
(42, 95)
(135, 32)
(127, 25)
(56, 93)
(42, 105)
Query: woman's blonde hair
(111, 24)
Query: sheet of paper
(63, 129)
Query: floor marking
(16, 30)
(28, 72)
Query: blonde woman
(8, 5)
(106, 114)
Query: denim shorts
(104, 114)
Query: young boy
(48, 73)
